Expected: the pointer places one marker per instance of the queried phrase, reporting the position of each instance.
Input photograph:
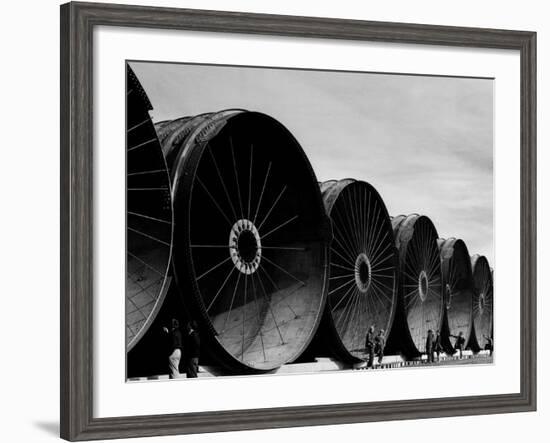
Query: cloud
(425, 143)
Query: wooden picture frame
(77, 23)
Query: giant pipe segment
(362, 287)
(483, 298)
(420, 283)
(458, 289)
(149, 216)
(252, 240)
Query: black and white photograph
(297, 221)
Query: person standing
(430, 341)
(459, 343)
(176, 344)
(438, 348)
(488, 344)
(369, 346)
(379, 345)
(191, 348)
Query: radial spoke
(145, 263)
(236, 176)
(164, 188)
(269, 307)
(153, 171)
(342, 276)
(259, 314)
(342, 267)
(272, 206)
(213, 268)
(284, 248)
(341, 286)
(350, 259)
(149, 217)
(380, 283)
(348, 291)
(222, 181)
(343, 244)
(349, 305)
(341, 230)
(214, 201)
(280, 226)
(221, 288)
(262, 193)
(232, 300)
(142, 144)
(378, 250)
(410, 293)
(279, 290)
(414, 301)
(346, 260)
(283, 270)
(138, 125)
(353, 222)
(377, 238)
(353, 313)
(385, 269)
(143, 234)
(380, 286)
(250, 182)
(371, 229)
(244, 316)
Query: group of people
(374, 345)
(183, 345)
(186, 346)
(433, 345)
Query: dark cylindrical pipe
(420, 295)
(251, 244)
(149, 216)
(458, 289)
(363, 270)
(483, 299)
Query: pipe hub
(363, 272)
(423, 285)
(245, 246)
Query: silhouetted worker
(459, 343)
(488, 344)
(430, 344)
(379, 345)
(369, 346)
(438, 348)
(191, 350)
(176, 344)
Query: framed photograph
(273, 221)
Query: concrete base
(330, 365)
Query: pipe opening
(245, 246)
(363, 272)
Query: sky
(424, 142)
